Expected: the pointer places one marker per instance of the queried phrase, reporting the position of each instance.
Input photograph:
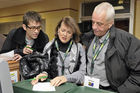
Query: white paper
(7, 56)
(91, 82)
(43, 86)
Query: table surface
(26, 87)
(83, 89)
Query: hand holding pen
(41, 76)
(27, 49)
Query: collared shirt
(99, 65)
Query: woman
(67, 62)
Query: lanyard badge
(91, 82)
(98, 51)
(65, 55)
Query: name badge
(91, 82)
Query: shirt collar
(102, 38)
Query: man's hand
(17, 57)
(27, 49)
(33, 82)
(58, 81)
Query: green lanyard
(65, 55)
(98, 51)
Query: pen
(40, 77)
(29, 47)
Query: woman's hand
(58, 80)
(33, 82)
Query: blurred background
(11, 13)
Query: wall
(6, 27)
(52, 18)
(137, 19)
(51, 11)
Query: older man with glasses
(26, 39)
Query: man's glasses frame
(33, 28)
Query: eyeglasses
(33, 28)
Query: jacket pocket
(71, 66)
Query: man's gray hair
(107, 8)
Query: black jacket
(122, 61)
(16, 41)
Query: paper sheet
(43, 86)
(7, 56)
